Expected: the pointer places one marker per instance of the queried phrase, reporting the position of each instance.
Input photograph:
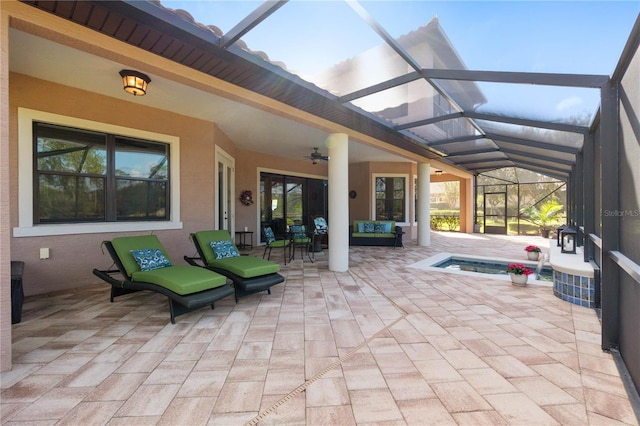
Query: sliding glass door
(290, 200)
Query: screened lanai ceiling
(391, 70)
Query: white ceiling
(250, 128)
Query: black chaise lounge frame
(178, 304)
(243, 285)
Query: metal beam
(472, 152)
(610, 199)
(537, 156)
(362, 13)
(534, 144)
(261, 13)
(628, 53)
(428, 121)
(385, 85)
(545, 79)
(527, 122)
(485, 169)
(588, 189)
(578, 213)
(542, 170)
(505, 161)
(484, 160)
(458, 139)
(541, 166)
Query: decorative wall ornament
(246, 198)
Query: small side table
(241, 239)
(398, 241)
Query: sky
(541, 36)
(577, 37)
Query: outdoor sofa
(375, 233)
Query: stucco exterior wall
(74, 256)
(5, 198)
(249, 164)
(361, 181)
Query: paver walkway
(383, 343)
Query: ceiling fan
(315, 156)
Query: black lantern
(558, 232)
(568, 236)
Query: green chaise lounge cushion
(242, 266)
(181, 279)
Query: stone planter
(519, 280)
(533, 255)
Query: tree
(543, 216)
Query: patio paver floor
(381, 343)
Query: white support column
(470, 206)
(338, 144)
(424, 204)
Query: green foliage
(438, 223)
(544, 216)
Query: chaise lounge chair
(217, 252)
(144, 265)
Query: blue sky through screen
(576, 37)
(584, 37)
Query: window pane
(71, 198)
(398, 210)
(141, 159)
(140, 199)
(390, 198)
(66, 150)
(380, 210)
(294, 203)
(76, 176)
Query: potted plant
(533, 252)
(543, 216)
(519, 274)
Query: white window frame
(406, 195)
(26, 227)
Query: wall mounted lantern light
(135, 82)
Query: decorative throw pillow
(321, 225)
(299, 233)
(224, 249)
(369, 227)
(379, 228)
(268, 233)
(387, 227)
(149, 259)
(361, 227)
